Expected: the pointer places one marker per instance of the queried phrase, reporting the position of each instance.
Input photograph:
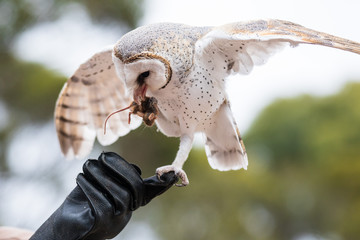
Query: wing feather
(93, 92)
(252, 43)
(287, 31)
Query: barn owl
(183, 69)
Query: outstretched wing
(240, 46)
(237, 48)
(86, 99)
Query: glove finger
(100, 205)
(106, 224)
(116, 192)
(126, 173)
(137, 168)
(154, 187)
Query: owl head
(143, 71)
(140, 64)
(148, 57)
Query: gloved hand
(101, 204)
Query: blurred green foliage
(303, 177)
(29, 91)
(18, 15)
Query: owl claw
(178, 171)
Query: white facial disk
(151, 72)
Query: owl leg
(181, 156)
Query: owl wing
(224, 147)
(239, 46)
(86, 99)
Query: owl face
(142, 72)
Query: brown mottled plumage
(183, 68)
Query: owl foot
(178, 171)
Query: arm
(101, 204)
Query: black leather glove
(101, 204)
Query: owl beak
(140, 93)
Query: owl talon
(178, 171)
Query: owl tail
(224, 147)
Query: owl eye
(141, 78)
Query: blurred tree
(28, 91)
(18, 15)
(319, 137)
(303, 178)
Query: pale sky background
(65, 44)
